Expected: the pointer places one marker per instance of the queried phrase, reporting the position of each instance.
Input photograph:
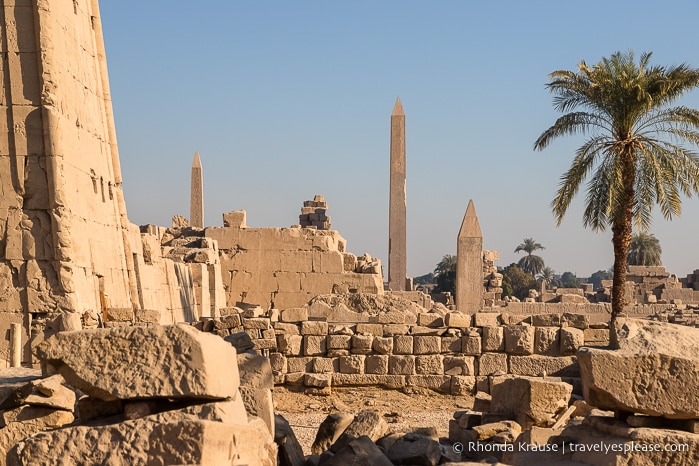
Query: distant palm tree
(530, 263)
(548, 274)
(447, 264)
(644, 250)
(632, 149)
(445, 274)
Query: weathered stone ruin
(649, 387)
(145, 395)
(368, 340)
(66, 245)
(89, 298)
(314, 214)
(286, 267)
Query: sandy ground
(403, 410)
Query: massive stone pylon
(196, 203)
(63, 226)
(397, 244)
(469, 263)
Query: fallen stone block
(414, 451)
(258, 402)
(241, 341)
(25, 421)
(175, 361)
(145, 441)
(50, 392)
(329, 431)
(290, 451)
(655, 371)
(360, 451)
(487, 431)
(532, 401)
(255, 371)
(365, 423)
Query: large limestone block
(369, 423)
(25, 421)
(655, 371)
(358, 452)
(533, 401)
(175, 361)
(330, 430)
(50, 392)
(148, 442)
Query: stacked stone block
(314, 214)
(286, 267)
(456, 354)
(597, 313)
(492, 279)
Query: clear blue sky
(285, 100)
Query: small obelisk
(397, 245)
(196, 204)
(469, 263)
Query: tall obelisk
(397, 245)
(196, 203)
(469, 263)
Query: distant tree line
(530, 270)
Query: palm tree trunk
(621, 240)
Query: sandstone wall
(62, 216)
(286, 267)
(66, 245)
(455, 353)
(596, 312)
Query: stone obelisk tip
(470, 227)
(197, 161)
(398, 108)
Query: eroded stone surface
(532, 401)
(655, 371)
(144, 362)
(145, 441)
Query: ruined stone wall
(455, 353)
(286, 267)
(596, 312)
(62, 230)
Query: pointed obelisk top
(398, 109)
(196, 163)
(470, 228)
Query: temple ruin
(88, 302)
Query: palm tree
(644, 250)
(445, 274)
(530, 263)
(633, 149)
(547, 274)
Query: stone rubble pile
(515, 406)
(313, 214)
(365, 439)
(146, 395)
(649, 388)
(681, 314)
